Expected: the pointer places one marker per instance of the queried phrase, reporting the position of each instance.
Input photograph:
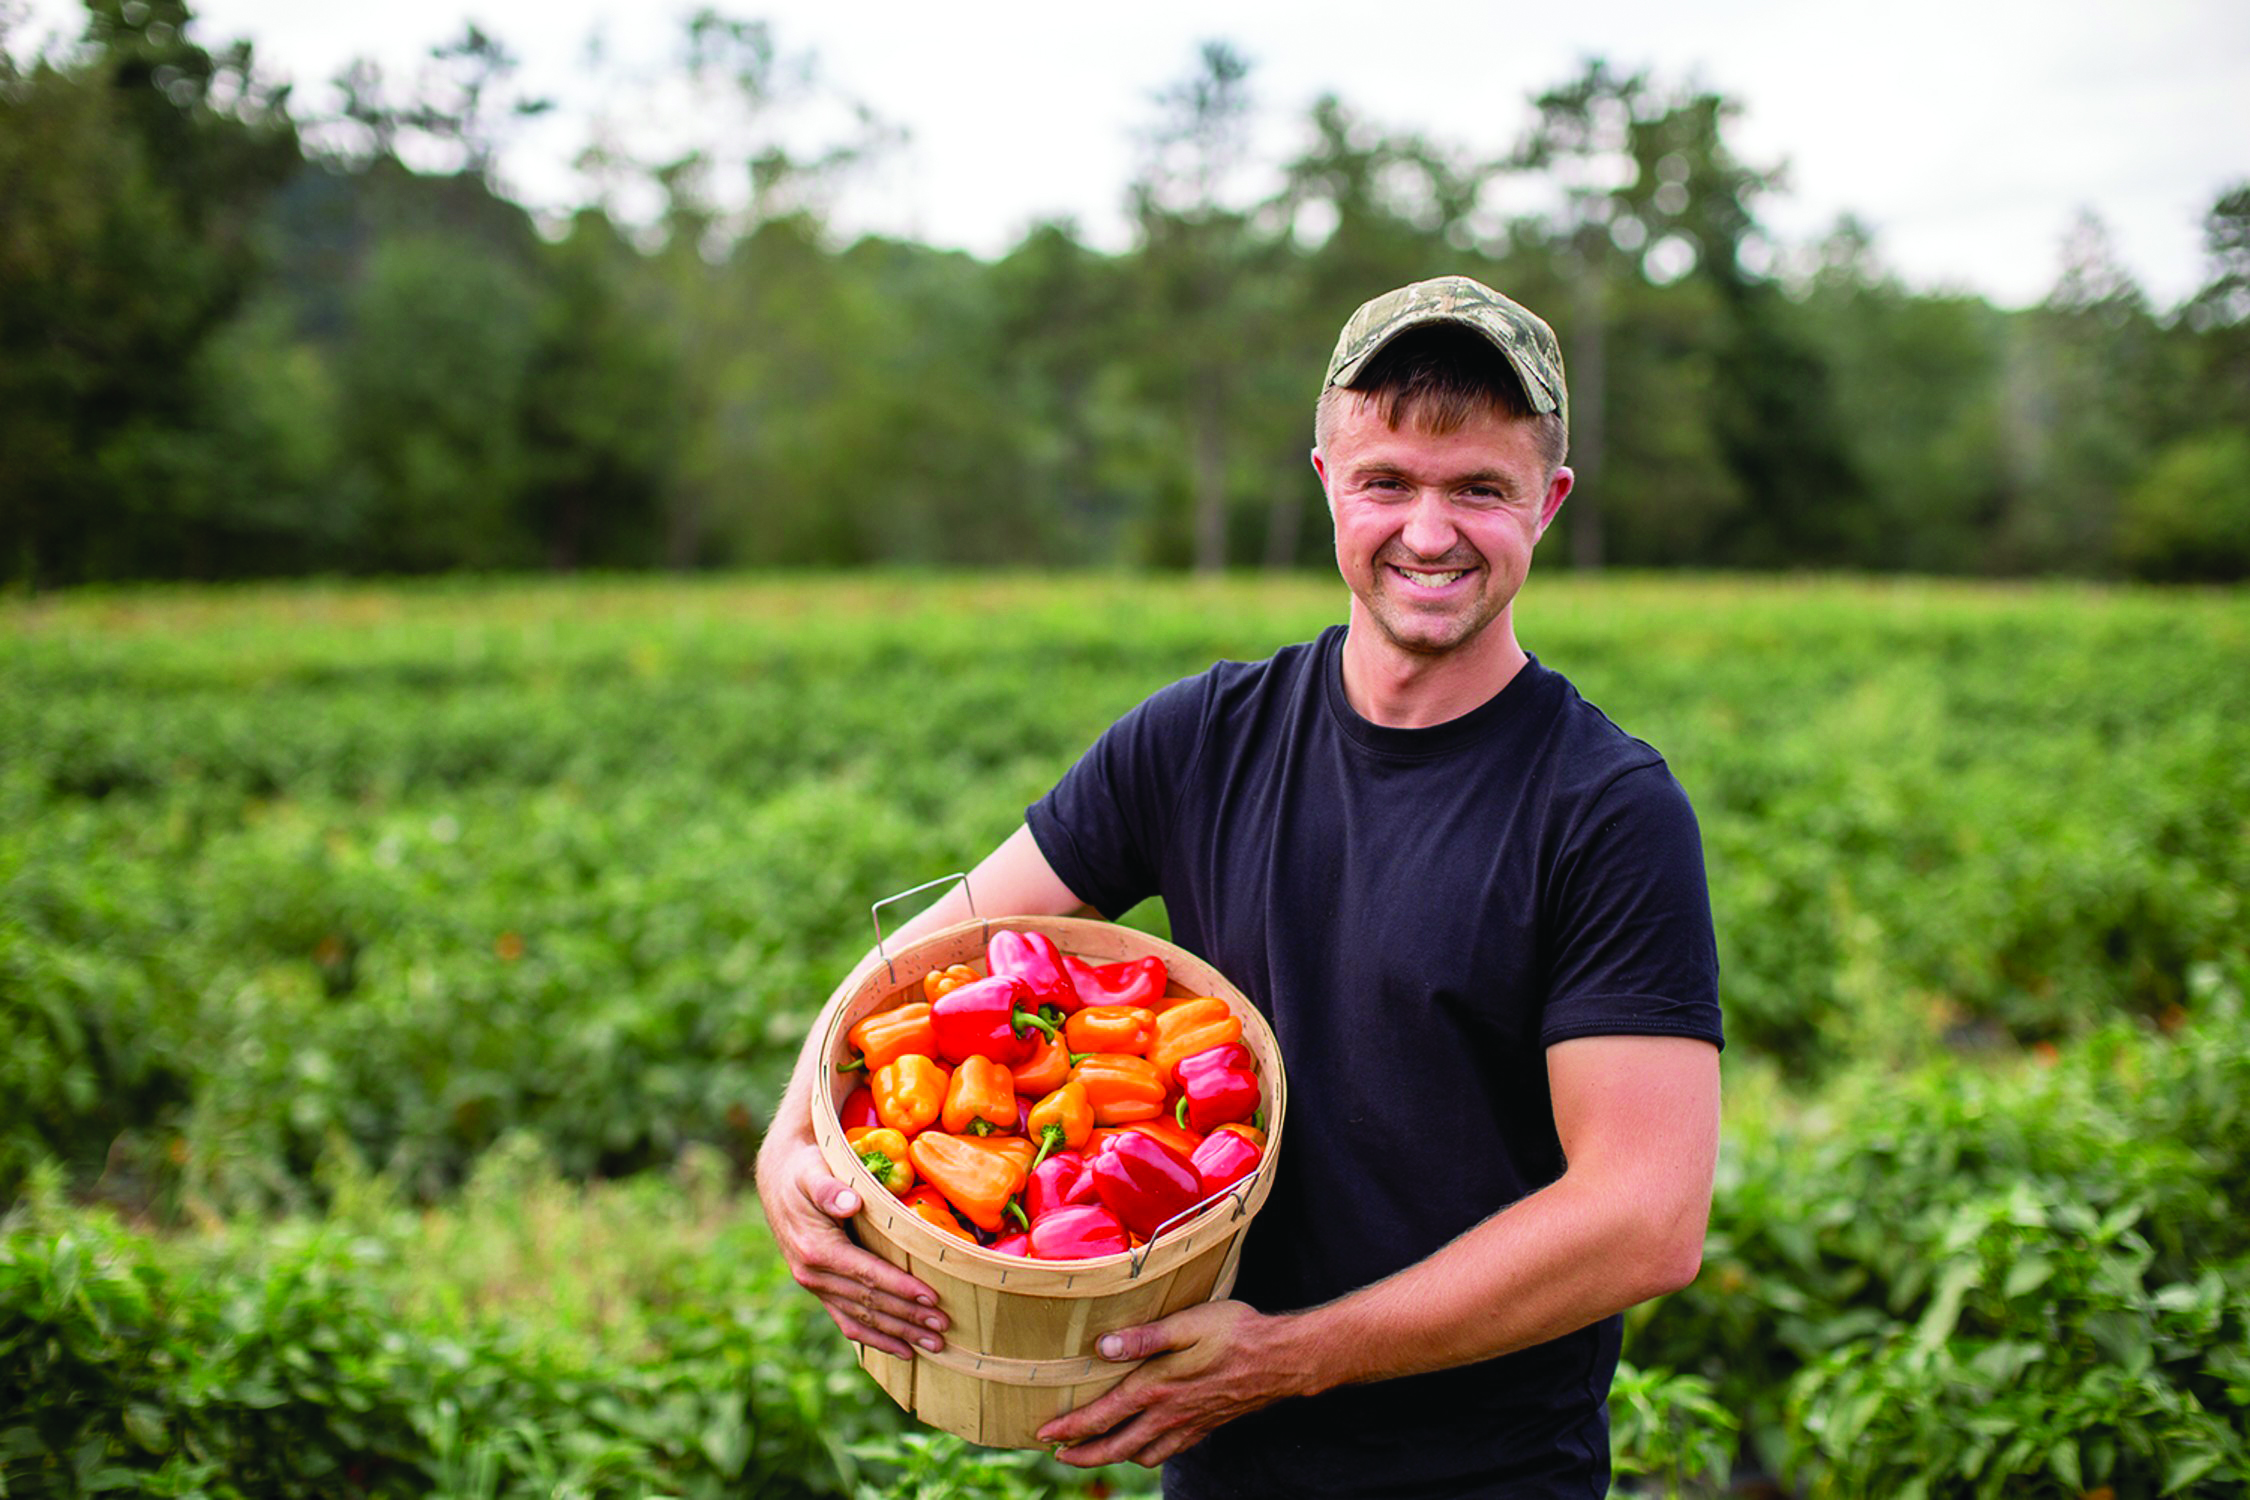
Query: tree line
(243, 337)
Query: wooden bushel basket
(1019, 1348)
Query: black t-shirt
(1420, 913)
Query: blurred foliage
(420, 866)
(2030, 1280)
(247, 333)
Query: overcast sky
(1968, 133)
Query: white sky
(1968, 132)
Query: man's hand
(1222, 1363)
(872, 1301)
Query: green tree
(1200, 315)
(132, 171)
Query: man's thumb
(837, 1200)
(1137, 1343)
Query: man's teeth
(1432, 580)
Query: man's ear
(1320, 467)
(1558, 490)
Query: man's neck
(1401, 689)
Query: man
(1474, 911)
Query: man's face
(1434, 534)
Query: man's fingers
(860, 1333)
(1125, 1445)
(906, 1319)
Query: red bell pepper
(1223, 1160)
(1018, 1244)
(1137, 981)
(858, 1108)
(1033, 958)
(1218, 1086)
(987, 1019)
(1055, 1183)
(1077, 1232)
(1144, 1182)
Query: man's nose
(1429, 529)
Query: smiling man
(1474, 911)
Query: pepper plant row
(1054, 1109)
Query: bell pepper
(1168, 1131)
(1224, 1159)
(891, 1034)
(1122, 1088)
(928, 1203)
(883, 1152)
(1137, 981)
(910, 1093)
(1017, 1244)
(981, 1099)
(1063, 1119)
(1111, 1028)
(981, 1182)
(1033, 958)
(1218, 1086)
(858, 1108)
(1047, 1070)
(939, 982)
(1078, 1231)
(987, 1019)
(1142, 1181)
(1191, 1026)
(1059, 1180)
(1254, 1134)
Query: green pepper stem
(981, 1127)
(1020, 1018)
(857, 1064)
(1179, 1112)
(1017, 1209)
(1050, 1136)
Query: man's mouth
(1430, 580)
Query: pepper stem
(1050, 1136)
(1017, 1209)
(1179, 1112)
(1019, 1018)
(856, 1065)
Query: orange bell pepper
(891, 1034)
(1111, 1028)
(977, 1177)
(1169, 1131)
(1047, 1070)
(910, 1093)
(1061, 1120)
(981, 1098)
(1122, 1088)
(930, 1204)
(939, 982)
(883, 1152)
(1190, 1027)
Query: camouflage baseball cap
(1513, 329)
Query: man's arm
(872, 1300)
(1639, 1122)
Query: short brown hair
(1439, 378)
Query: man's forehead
(1363, 434)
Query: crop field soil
(393, 982)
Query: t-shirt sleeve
(1104, 826)
(1634, 952)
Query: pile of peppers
(1051, 1108)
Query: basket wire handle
(876, 911)
(1241, 1207)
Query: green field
(393, 980)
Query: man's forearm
(1552, 1263)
